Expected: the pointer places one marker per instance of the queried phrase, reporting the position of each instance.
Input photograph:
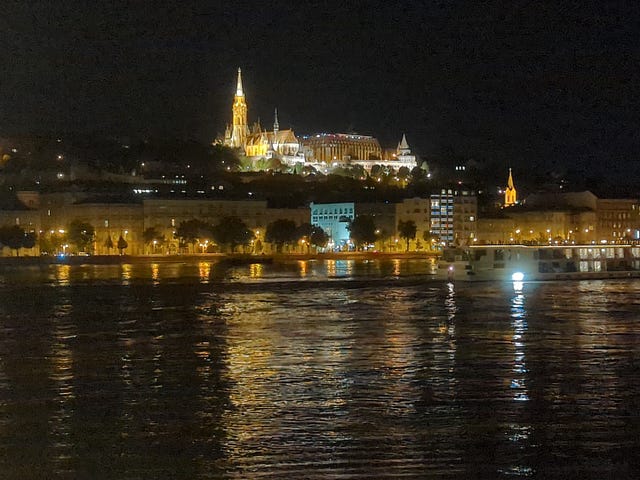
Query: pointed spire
(510, 181)
(403, 143)
(239, 92)
(276, 125)
(403, 146)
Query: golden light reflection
(331, 268)
(125, 273)
(303, 266)
(62, 376)
(256, 270)
(396, 266)
(204, 271)
(155, 273)
(62, 274)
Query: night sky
(550, 84)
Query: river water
(314, 370)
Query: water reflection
(171, 376)
(125, 273)
(339, 268)
(62, 274)
(155, 273)
(204, 271)
(256, 270)
(62, 375)
(519, 326)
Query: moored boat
(546, 262)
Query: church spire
(240, 127)
(276, 125)
(510, 192)
(239, 92)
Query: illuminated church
(257, 142)
(510, 197)
(322, 151)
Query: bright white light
(517, 277)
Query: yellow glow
(204, 271)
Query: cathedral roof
(281, 136)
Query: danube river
(314, 370)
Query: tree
(432, 239)
(318, 237)
(52, 242)
(81, 234)
(363, 230)
(108, 243)
(231, 231)
(281, 232)
(15, 238)
(407, 230)
(122, 244)
(303, 234)
(193, 231)
(151, 236)
(224, 158)
(30, 240)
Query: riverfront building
(334, 219)
(454, 216)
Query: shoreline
(236, 258)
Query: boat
(452, 260)
(520, 263)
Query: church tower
(239, 128)
(510, 192)
(276, 125)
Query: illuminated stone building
(326, 150)
(545, 218)
(340, 147)
(547, 226)
(17, 210)
(165, 215)
(416, 210)
(111, 220)
(618, 220)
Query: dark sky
(523, 82)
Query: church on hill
(322, 151)
(258, 142)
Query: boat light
(517, 277)
(451, 268)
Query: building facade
(454, 216)
(334, 219)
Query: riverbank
(237, 258)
